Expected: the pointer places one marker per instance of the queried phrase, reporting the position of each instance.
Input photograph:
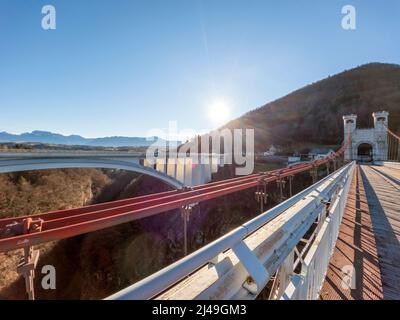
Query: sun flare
(219, 111)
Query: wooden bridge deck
(368, 247)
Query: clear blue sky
(122, 67)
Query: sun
(219, 111)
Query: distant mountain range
(55, 138)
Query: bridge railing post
(258, 274)
(281, 182)
(314, 173)
(26, 268)
(185, 215)
(282, 277)
(291, 185)
(27, 264)
(261, 194)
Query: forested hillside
(313, 114)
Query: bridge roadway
(368, 246)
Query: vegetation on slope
(314, 113)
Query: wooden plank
(384, 199)
(355, 248)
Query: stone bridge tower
(367, 144)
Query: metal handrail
(165, 278)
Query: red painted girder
(122, 215)
(68, 220)
(67, 223)
(91, 208)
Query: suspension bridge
(337, 239)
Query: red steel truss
(26, 231)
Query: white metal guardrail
(308, 284)
(240, 264)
